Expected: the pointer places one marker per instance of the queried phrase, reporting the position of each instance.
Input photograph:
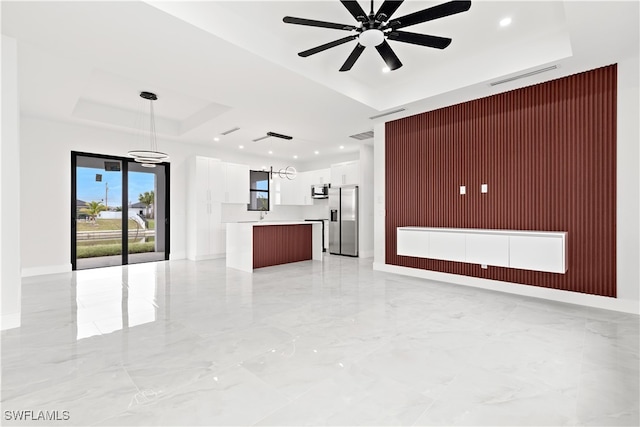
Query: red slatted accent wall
(548, 155)
(281, 244)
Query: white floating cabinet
(538, 253)
(488, 249)
(448, 246)
(527, 250)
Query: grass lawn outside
(104, 225)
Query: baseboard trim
(47, 269)
(595, 301)
(177, 256)
(366, 254)
(9, 321)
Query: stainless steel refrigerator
(343, 220)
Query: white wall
(10, 281)
(628, 212)
(48, 144)
(365, 224)
(628, 181)
(379, 208)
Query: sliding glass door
(119, 211)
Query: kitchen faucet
(262, 215)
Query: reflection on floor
(110, 261)
(333, 343)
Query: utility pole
(106, 195)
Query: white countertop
(283, 222)
(486, 231)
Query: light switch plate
(484, 188)
(463, 189)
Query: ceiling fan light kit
(375, 28)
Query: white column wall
(365, 194)
(10, 279)
(628, 182)
(379, 194)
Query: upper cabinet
(345, 173)
(320, 176)
(209, 174)
(236, 183)
(296, 191)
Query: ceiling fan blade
(355, 10)
(420, 39)
(389, 56)
(355, 54)
(387, 9)
(435, 12)
(326, 46)
(314, 23)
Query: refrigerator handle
(334, 215)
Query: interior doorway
(119, 211)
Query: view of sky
(88, 189)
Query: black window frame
(255, 190)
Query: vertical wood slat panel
(281, 244)
(548, 155)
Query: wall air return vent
(362, 136)
(230, 131)
(387, 113)
(522, 76)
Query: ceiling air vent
(230, 131)
(387, 113)
(363, 135)
(522, 76)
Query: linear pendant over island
(252, 245)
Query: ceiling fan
(375, 28)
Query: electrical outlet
(484, 188)
(463, 189)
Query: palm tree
(93, 209)
(147, 198)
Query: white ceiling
(219, 65)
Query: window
(258, 191)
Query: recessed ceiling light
(241, 146)
(295, 157)
(316, 152)
(216, 139)
(386, 69)
(342, 147)
(270, 152)
(505, 21)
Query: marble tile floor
(332, 343)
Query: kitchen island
(257, 244)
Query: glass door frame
(124, 161)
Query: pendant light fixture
(149, 158)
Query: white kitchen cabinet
(345, 173)
(288, 190)
(236, 183)
(528, 250)
(205, 232)
(295, 192)
(320, 176)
